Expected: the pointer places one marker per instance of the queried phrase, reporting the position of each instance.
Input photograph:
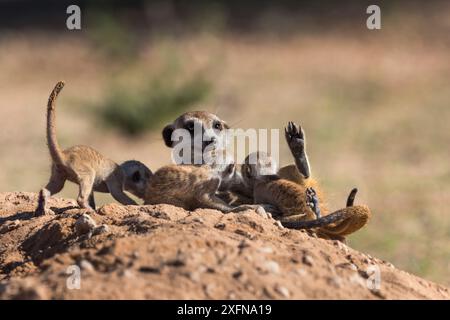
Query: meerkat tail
(320, 222)
(351, 197)
(53, 146)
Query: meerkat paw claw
(259, 209)
(312, 201)
(295, 138)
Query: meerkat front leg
(208, 199)
(55, 185)
(296, 140)
(116, 190)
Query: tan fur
(286, 191)
(353, 217)
(86, 167)
(189, 187)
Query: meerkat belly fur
(89, 169)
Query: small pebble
(265, 249)
(85, 265)
(278, 224)
(262, 212)
(9, 225)
(283, 291)
(348, 265)
(84, 225)
(334, 281)
(272, 267)
(237, 274)
(220, 225)
(301, 272)
(101, 229)
(308, 260)
(198, 219)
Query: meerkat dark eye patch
(136, 176)
(189, 125)
(218, 125)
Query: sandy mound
(161, 251)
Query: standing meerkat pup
(89, 169)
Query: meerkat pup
(89, 169)
(297, 203)
(300, 173)
(191, 187)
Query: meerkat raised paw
(89, 169)
(296, 140)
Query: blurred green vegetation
(160, 93)
(160, 97)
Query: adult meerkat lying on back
(89, 169)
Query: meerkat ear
(167, 135)
(225, 125)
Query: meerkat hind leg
(313, 201)
(55, 185)
(211, 201)
(86, 184)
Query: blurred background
(375, 104)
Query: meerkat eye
(218, 126)
(189, 126)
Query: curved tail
(320, 222)
(351, 197)
(53, 146)
(334, 217)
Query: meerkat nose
(210, 141)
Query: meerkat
(206, 137)
(298, 204)
(89, 169)
(233, 192)
(300, 173)
(191, 187)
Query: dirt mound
(161, 251)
